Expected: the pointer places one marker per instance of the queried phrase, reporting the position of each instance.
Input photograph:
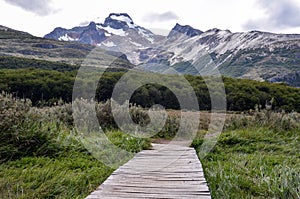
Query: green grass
(128, 143)
(254, 162)
(70, 174)
(42, 155)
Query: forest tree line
(45, 84)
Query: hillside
(44, 70)
(14, 43)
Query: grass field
(71, 174)
(255, 157)
(41, 156)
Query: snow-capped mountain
(255, 55)
(117, 33)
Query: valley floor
(256, 156)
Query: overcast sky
(40, 17)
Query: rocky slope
(118, 33)
(255, 55)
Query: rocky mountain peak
(184, 29)
(92, 25)
(242, 54)
(119, 16)
(119, 21)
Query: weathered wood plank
(166, 171)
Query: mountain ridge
(14, 43)
(257, 55)
(184, 43)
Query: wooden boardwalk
(167, 171)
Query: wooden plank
(166, 171)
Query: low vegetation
(257, 156)
(9, 62)
(41, 155)
(44, 86)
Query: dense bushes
(38, 85)
(23, 132)
(278, 121)
(48, 131)
(140, 116)
(42, 155)
(45, 131)
(48, 86)
(8, 62)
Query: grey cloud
(279, 14)
(156, 17)
(39, 7)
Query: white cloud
(35, 16)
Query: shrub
(12, 111)
(25, 131)
(279, 121)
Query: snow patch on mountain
(136, 44)
(146, 34)
(66, 37)
(110, 30)
(125, 19)
(109, 44)
(229, 51)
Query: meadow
(41, 155)
(257, 156)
